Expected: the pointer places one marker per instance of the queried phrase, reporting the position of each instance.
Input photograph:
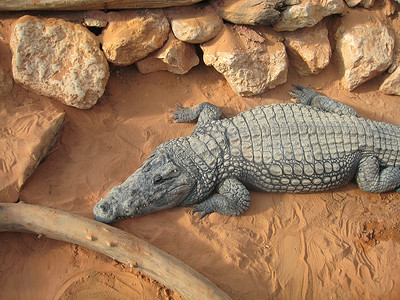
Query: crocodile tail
(302, 95)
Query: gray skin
(313, 145)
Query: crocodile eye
(157, 179)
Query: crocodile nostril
(105, 207)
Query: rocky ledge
(251, 43)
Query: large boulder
(194, 24)
(131, 35)
(58, 59)
(365, 50)
(308, 13)
(309, 49)
(363, 3)
(175, 56)
(249, 12)
(391, 85)
(27, 133)
(250, 61)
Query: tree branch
(113, 242)
(9, 5)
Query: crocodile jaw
(159, 184)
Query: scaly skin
(314, 145)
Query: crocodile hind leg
(232, 199)
(203, 113)
(370, 178)
(312, 98)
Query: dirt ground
(339, 244)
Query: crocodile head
(159, 184)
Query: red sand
(340, 244)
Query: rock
(352, 3)
(365, 50)
(395, 63)
(364, 3)
(58, 59)
(6, 83)
(27, 132)
(250, 61)
(367, 3)
(391, 85)
(308, 13)
(95, 18)
(249, 12)
(175, 56)
(132, 35)
(194, 24)
(309, 49)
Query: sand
(339, 244)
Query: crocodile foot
(183, 114)
(232, 199)
(205, 208)
(302, 95)
(203, 113)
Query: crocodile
(314, 144)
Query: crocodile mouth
(178, 194)
(131, 199)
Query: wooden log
(113, 242)
(15, 5)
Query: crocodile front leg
(312, 98)
(370, 178)
(232, 199)
(203, 113)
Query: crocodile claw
(182, 114)
(294, 96)
(204, 209)
(296, 93)
(302, 95)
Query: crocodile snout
(105, 207)
(104, 212)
